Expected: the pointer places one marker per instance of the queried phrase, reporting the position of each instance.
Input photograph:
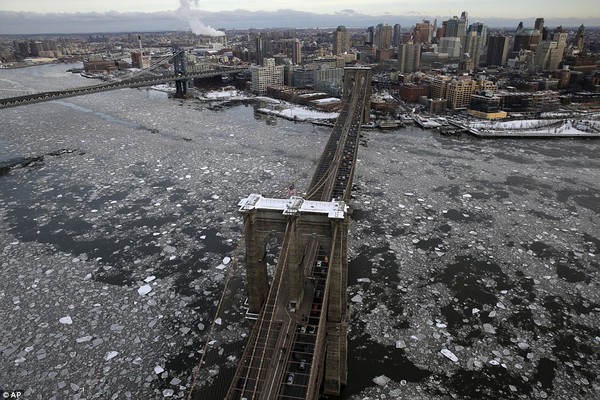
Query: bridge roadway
(285, 354)
(139, 82)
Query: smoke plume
(192, 17)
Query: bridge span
(298, 345)
(181, 75)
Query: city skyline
(71, 16)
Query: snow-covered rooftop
(294, 205)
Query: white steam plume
(192, 17)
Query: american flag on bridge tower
(291, 190)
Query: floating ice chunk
(381, 380)
(409, 194)
(523, 345)
(66, 320)
(144, 290)
(226, 260)
(175, 381)
(488, 328)
(400, 344)
(158, 370)
(467, 196)
(83, 339)
(170, 249)
(363, 280)
(441, 325)
(475, 311)
(357, 299)
(110, 355)
(215, 197)
(201, 326)
(184, 330)
(221, 267)
(450, 355)
(218, 321)
(150, 279)
(168, 393)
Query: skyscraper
(261, 51)
(497, 50)
(457, 27)
(383, 36)
(397, 38)
(549, 53)
(409, 57)
(296, 52)
(539, 24)
(341, 40)
(422, 32)
(476, 42)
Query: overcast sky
(38, 16)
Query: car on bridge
(290, 379)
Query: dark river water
(473, 263)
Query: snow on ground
(571, 127)
(300, 113)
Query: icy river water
(474, 264)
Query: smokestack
(140, 43)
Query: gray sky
(39, 16)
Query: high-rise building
(459, 92)
(409, 57)
(261, 50)
(267, 75)
(341, 40)
(497, 50)
(457, 27)
(450, 46)
(539, 24)
(370, 36)
(296, 52)
(397, 38)
(476, 42)
(422, 32)
(579, 40)
(384, 35)
(549, 53)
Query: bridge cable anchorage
(211, 332)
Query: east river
(474, 264)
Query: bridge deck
(285, 353)
(132, 83)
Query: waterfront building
(267, 75)
(439, 86)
